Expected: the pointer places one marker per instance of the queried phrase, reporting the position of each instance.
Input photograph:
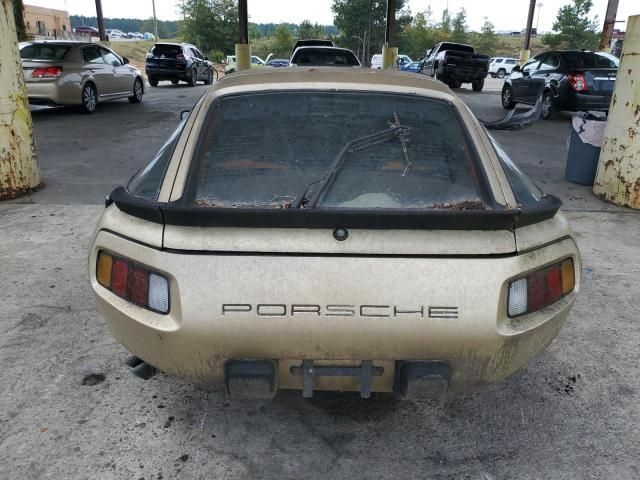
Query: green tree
(283, 41)
(18, 13)
(211, 24)
(575, 29)
(487, 41)
(305, 30)
(254, 32)
(445, 22)
(459, 32)
(362, 24)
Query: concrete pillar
(618, 177)
(390, 53)
(19, 172)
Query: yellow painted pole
(389, 56)
(243, 50)
(19, 172)
(618, 176)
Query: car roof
(69, 43)
(316, 76)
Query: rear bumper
(166, 74)
(464, 75)
(53, 93)
(382, 321)
(576, 102)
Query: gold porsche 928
(326, 229)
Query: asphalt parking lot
(70, 409)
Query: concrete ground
(70, 409)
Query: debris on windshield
(463, 205)
(396, 124)
(278, 201)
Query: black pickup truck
(455, 64)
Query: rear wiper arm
(351, 146)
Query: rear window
(41, 51)
(588, 60)
(330, 58)
(456, 47)
(334, 149)
(166, 51)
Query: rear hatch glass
(599, 71)
(167, 51)
(44, 51)
(335, 150)
(329, 57)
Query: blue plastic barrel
(582, 160)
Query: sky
(506, 15)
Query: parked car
(256, 62)
(406, 252)
(87, 31)
(135, 35)
(311, 42)
(403, 60)
(324, 57)
(115, 33)
(413, 67)
(571, 80)
(455, 64)
(78, 73)
(501, 67)
(148, 36)
(176, 62)
(278, 62)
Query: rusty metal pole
(103, 35)
(19, 172)
(243, 50)
(525, 53)
(609, 23)
(389, 52)
(618, 176)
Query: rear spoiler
(379, 219)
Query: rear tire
(549, 111)
(193, 81)
(137, 92)
(153, 81)
(507, 98)
(440, 77)
(209, 79)
(477, 85)
(175, 82)
(455, 84)
(89, 98)
(502, 73)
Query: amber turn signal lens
(568, 276)
(105, 262)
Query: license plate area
(310, 372)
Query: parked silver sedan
(78, 73)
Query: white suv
(501, 67)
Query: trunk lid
(600, 81)
(297, 241)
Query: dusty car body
(78, 73)
(387, 244)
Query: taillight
(135, 283)
(541, 288)
(578, 82)
(47, 72)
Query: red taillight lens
(578, 82)
(541, 288)
(48, 72)
(138, 288)
(134, 283)
(120, 278)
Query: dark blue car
(414, 67)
